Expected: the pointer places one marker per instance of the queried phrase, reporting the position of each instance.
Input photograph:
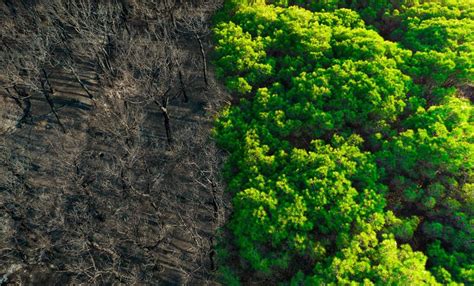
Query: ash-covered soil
(108, 172)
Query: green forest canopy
(351, 145)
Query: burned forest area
(108, 172)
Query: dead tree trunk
(26, 108)
(15, 98)
(46, 94)
(171, 14)
(212, 254)
(163, 107)
(203, 57)
(81, 83)
(181, 82)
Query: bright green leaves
(368, 261)
(458, 263)
(240, 58)
(300, 190)
(441, 36)
(437, 26)
(429, 167)
(363, 44)
(338, 130)
(324, 66)
(308, 204)
(366, 96)
(238, 84)
(349, 96)
(292, 32)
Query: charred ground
(107, 170)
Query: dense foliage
(351, 156)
